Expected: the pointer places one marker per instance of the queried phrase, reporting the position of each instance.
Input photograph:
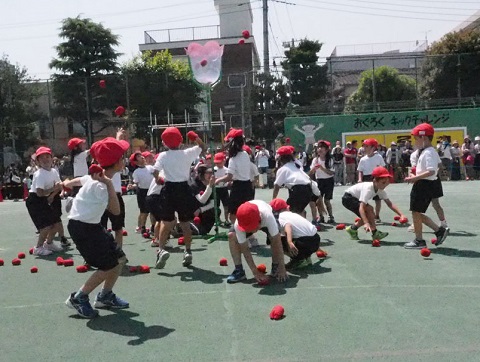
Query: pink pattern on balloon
(205, 61)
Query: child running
(356, 199)
(95, 244)
(176, 195)
(425, 187)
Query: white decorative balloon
(205, 61)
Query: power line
(413, 6)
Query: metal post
(89, 121)
(459, 81)
(374, 91)
(266, 53)
(242, 99)
(416, 83)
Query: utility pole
(266, 52)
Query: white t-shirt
(220, 172)
(364, 192)
(253, 171)
(262, 158)
(320, 174)
(91, 201)
(154, 188)
(428, 161)
(80, 167)
(289, 175)
(176, 163)
(300, 225)
(367, 164)
(117, 182)
(267, 220)
(239, 167)
(143, 176)
(43, 179)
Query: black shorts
(326, 185)
(298, 197)
(56, 206)
(437, 189)
(177, 197)
(153, 204)
(242, 191)
(306, 246)
(118, 221)
(141, 202)
(351, 203)
(423, 192)
(95, 244)
(40, 211)
(222, 195)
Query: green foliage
(158, 84)
(85, 57)
(308, 80)
(18, 110)
(390, 86)
(452, 62)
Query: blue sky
(28, 29)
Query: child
(261, 159)
(300, 238)
(366, 165)
(153, 204)
(425, 187)
(176, 195)
(253, 216)
(78, 158)
(142, 178)
(202, 189)
(222, 188)
(356, 199)
(322, 168)
(239, 171)
(291, 175)
(45, 190)
(94, 243)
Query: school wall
(391, 126)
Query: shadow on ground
(122, 323)
(195, 274)
(456, 252)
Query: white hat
(477, 138)
(393, 144)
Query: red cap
(171, 137)
(233, 133)
(278, 204)
(147, 154)
(380, 172)
(41, 151)
(371, 142)
(74, 142)
(219, 157)
(247, 149)
(326, 143)
(133, 158)
(208, 157)
(248, 217)
(286, 150)
(423, 129)
(108, 151)
(258, 147)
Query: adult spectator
(392, 159)
(261, 160)
(468, 145)
(476, 152)
(338, 164)
(446, 156)
(406, 152)
(350, 154)
(456, 153)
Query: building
(238, 63)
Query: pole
(374, 91)
(89, 121)
(266, 53)
(242, 98)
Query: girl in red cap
(176, 195)
(291, 175)
(78, 158)
(43, 202)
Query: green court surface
(361, 304)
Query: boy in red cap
(176, 195)
(252, 216)
(300, 238)
(425, 187)
(367, 164)
(95, 244)
(356, 199)
(44, 201)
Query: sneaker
(138, 229)
(321, 220)
(441, 235)
(52, 247)
(415, 244)
(411, 228)
(444, 224)
(154, 244)
(237, 276)
(41, 251)
(227, 224)
(353, 233)
(187, 258)
(162, 257)
(331, 220)
(379, 235)
(83, 307)
(378, 220)
(64, 241)
(110, 300)
(298, 264)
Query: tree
(452, 66)
(18, 110)
(389, 86)
(308, 80)
(85, 57)
(157, 84)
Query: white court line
(340, 287)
